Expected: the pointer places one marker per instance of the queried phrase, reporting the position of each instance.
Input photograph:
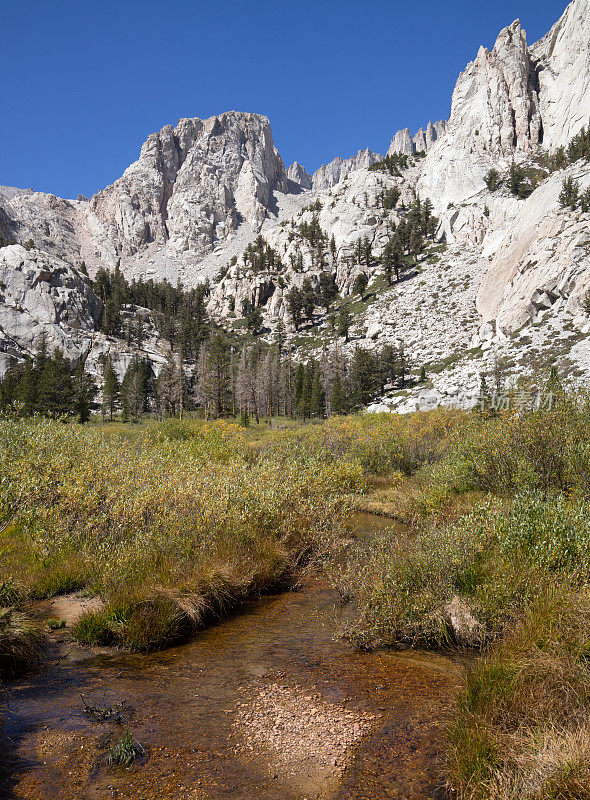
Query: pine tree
(9, 384)
(416, 241)
(304, 406)
(570, 190)
(392, 258)
(136, 389)
(365, 376)
(344, 321)
(26, 393)
(328, 289)
(360, 284)
(111, 390)
(55, 391)
(308, 299)
(41, 354)
(295, 306)
(299, 388)
(389, 365)
(367, 254)
(254, 321)
(111, 322)
(492, 179)
(339, 400)
(84, 393)
(317, 401)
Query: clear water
(183, 704)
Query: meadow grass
(21, 643)
(169, 529)
(522, 727)
(500, 537)
(177, 522)
(124, 751)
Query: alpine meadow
(295, 466)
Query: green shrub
(543, 450)
(494, 559)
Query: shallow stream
(269, 704)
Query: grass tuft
(124, 752)
(21, 643)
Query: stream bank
(268, 704)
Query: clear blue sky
(84, 82)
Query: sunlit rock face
(193, 185)
(298, 174)
(329, 175)
(204, 190)
(403, 142)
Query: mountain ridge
(202, 191)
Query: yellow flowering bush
(381, 443)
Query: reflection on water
(185, 702)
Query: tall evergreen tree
(27, 384)
(136, 389)
(328, 289)
(41, 354)
(55, 391)
(360, 284)
(344, 321)
(317, 401)
(84, 393)
(295, 306)
(365, 376)
(339, 400)
(111, 389)
(300, 388)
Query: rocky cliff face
(511, 100)
(495, 115)
(200, 192)
(191, 189)
(40, 293)
(298, 175)
(543, 261)
(329, 175)
(510, 262)
(193, 185)
(43, 294)
(404, 142)
(562, 64)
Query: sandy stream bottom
(267, 705)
